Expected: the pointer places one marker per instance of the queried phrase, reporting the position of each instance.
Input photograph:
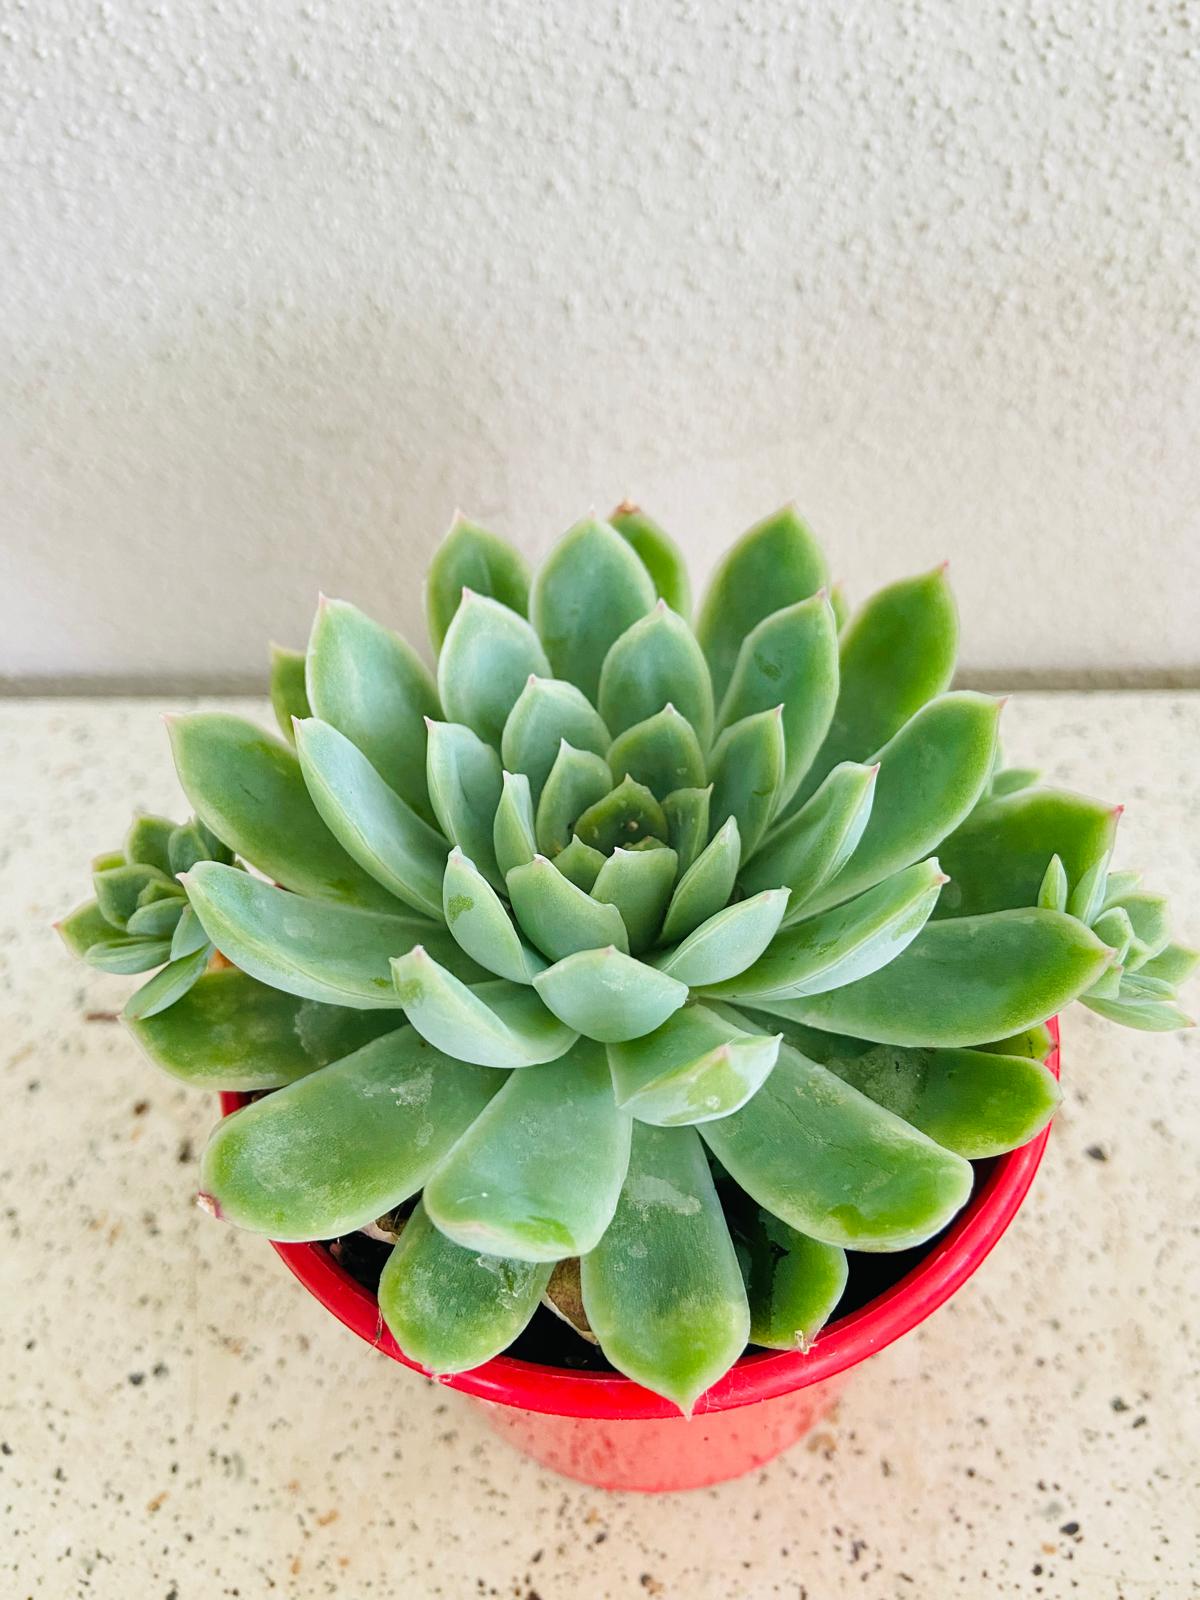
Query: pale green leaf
(589, 589)
(496, 1024)
(639, 884)
(577, 780)
(815, 842)
(656, 662)
(706, 886)
(465, 785)
(730, 941)
(289, 696)
(698, 1065)
(486, 660)
(547, 712)
(559, 918)
(747, 768)
(478, 920)
(660, 555)
(609, 996)
(470, 557)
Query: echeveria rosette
(669, 964)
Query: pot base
(665, 1454)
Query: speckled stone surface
(178, 1421)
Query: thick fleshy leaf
(1036, 1043)
(470, 557)
(827, 1160)
(512, 829)
(662, 1289)
(578, 779)
(965, 980)
(1114, 928)
(248, 788)
(84, 927)
(341, 1146)
(706, 886)
(289, 696)
(165, 988)
(338, 954)
(998, 858)
(547, 711)
(558, 918)
(1147, 1015)
(775, 564)
(639, 884)
(845, 944)
(231, 1032)
(654, 663)
(793, 1283)
(369, 684)
(108, 859)
(538, 1174)
(580, 864)
(190, 842)
(686, 812)
(790, 657)
(660, 555)
(728, 943)
(118, 890)
(1117, 885)
(609, 996)
(496, 1024)
(662, 752)
(1175, 963)
(476, 916)
(189, 934)
(123, 956)
(974, 1102)
(627, 816)
(590, 588)
(451, 1309)
(816, 841)
(698, 1065)
(1149, 916)
(1054, 889)
(747, 771)
(486, 660)
(897, 653)
(149, 841)
(1010, 779)
(369, 820)
(465, 785)
(930, 776)
(159, 919)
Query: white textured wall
(282, 284)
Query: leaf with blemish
(477, 918)
(465, 784)
(663, 753)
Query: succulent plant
(640, 969)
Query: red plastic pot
(608, 1431)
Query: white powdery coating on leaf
(646, 1190)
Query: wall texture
(281, 285)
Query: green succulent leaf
(775, 564)
(1036, 1043)
(476, 916)
(1054, 889)
(191, 842)
(124, 956)
(844, 944)
(626, 817)
(663, 753)
(580, 864)
(686, 812)
(158, 919)
(590, 588)
(1115, 929)
(705, 887)
(118, 890)
(656, 662)
(383, 834)
(662, 1289)
(1175, 963)
(815, 842)
(930, 776)
(827, 1160)
(248, 788)
(451, 1309)
(289, 694)
(609, 996)
(495, 1024)
(660, 555)
(728, 943)
(1117, 885)
(578, 779)
(965, 980)
(505, 1188)
(470, 557)
(343, 1145)
(793, 1283)
(1149, 916)
(189, 935)
(465, 786)
(896, 654)
(165, 988)
(148, 842)
(1147, 1015)
(1010, 780)
(559, 918)
(365, 681)
(791, 657)
(998, 858)
(231, 1032)
(697, 1066)
(512, 829)
(639, 884)
(486, 660)
(547, 712)
(338, 954)
(747, 769)
(84, 927)
(973, 1102)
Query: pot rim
(761, 1375)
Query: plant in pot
(664, 979)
